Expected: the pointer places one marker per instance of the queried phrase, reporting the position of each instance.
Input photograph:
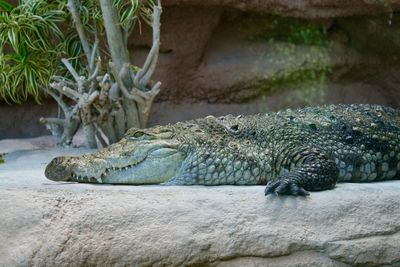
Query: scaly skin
(292, 151)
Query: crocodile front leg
(317, 172)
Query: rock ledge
(48, 224)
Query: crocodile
(291, 152)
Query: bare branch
(101, 136)
(125, 74)
(155, 89)
(59, 88)
(92, 97)
(146, 106)
(116, 45)
(125, 36)
(113, 93)
(150, 64)
(71, 70)
(148, 95)
(94, 52)
(59, 78)
(121, 85)
(65, 80)
(153, 54)
(96, 71)
(104, 79)
(101, 139)
(57, 121)
(54, 127)
(68, 91)
(105, 85)
(135, 91)
(60, 102)
(79, 28)
(75, 112)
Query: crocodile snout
(58, 170)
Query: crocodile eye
(234, 129)
(138, 134)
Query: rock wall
(225, 56)
(299, 8)
(232, 56)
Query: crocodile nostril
(57, 170)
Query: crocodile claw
(285, 187)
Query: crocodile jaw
(126, 162)
(158, 167)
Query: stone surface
(43, 223)
(298, 8)
(216, 55)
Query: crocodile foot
(285, 187)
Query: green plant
(76, 52)
(29, 47)
(100, 89)
(32, 42)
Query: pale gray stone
(44, 223)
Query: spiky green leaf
(5, 6)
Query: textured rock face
(299, 8)
(227, 56)
(47, 224)
(226, 226)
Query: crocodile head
(141, 157)
(204, 151)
